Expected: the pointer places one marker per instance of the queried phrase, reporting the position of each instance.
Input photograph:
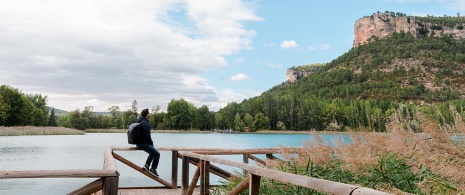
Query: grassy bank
(32, 130)
(399, 161)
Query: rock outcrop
(383, 24)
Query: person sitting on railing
(147, 144)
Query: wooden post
(254, 184)
(245, 159)
(174, 169)
(110, 186)
(185, 175)
(204, 177)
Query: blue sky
(106, 52)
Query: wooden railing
(107, 182)
(256, 173)
(202, 159)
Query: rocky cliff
(383, 24)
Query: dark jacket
(146, 137)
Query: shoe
(153, 172)
(146, 167)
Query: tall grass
(399, 162)
(33, 130)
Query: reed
(33, 130)
(399, 162)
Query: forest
(357, 91)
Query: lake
(63, 152)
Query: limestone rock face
(381, 25)
(293, 75)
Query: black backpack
(135, 133)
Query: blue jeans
(154, 155)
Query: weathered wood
(299, 180)
(225, 151)
(185, 175)
(108, 160)
(90, 188)
(194, 180)
(257, 160)
(271, 157)
(84, 173)
(110, 185)
(240, 187)
(254, 184)
(137, 168)
(204, 177)
(174, 169)
(245, 159)
(214, 169)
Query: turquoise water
(63, 152)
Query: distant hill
(399, 66)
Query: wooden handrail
(304, 181)
(223, 151)
(83, 173)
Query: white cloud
(287, 44)
(325, 47)
(108, 53)
(239, 77)
(311, 48)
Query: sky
(102, 53)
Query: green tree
(74, 120)
(238, 124)
(116, 119)
(248, 120)
(52, 121)
(134, 108)
(180, 114)
(261, 122)
(18, 108)
(204, 118)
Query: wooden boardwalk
(148, 191)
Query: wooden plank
(110, 185)
(84, 173)
(299, 180)
(90, 188)
(174, 169)
(137, 168)
(254, 184)
(240, 187)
